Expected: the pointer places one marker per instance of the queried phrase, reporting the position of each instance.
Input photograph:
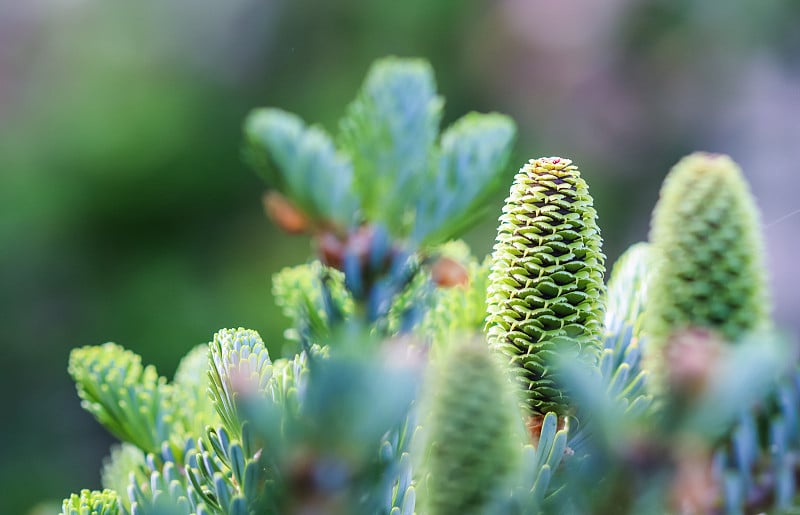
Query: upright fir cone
(470, 431)
(546, 284)
(707, 242)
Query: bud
(447, 272)
(534, 425)
(691, 357)
(285, 214)
(693, 488)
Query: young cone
(546, 284)
(471, 431)
(707, 240)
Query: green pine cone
(707, 242)
(546, 285)
(471, 431)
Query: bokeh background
(127, 214)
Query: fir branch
(133, 402)
(125, 464)
(225, 477)
(92, 503)
(388, 167)
(473, 155)
(302, 163)
(621, 359)
(239, 364)
(389, 132)
(457, 310)
(314, 299)
(165, 492)
(626, 296)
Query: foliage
(94, 503)
(343, 426)
(124, 396)
(387, 143)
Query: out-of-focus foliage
(388, 143)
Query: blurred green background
(127, 214)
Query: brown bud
(691, 358)
(285, 214)
(333, 247)
(534, 426)
(447, 272)
(693, 488)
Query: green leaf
(389, 132)
(473, 157)
(303, 164)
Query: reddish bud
(447, 272)
(534, 426)
(331, 250)
(333, 247)
(693, 488)
(285, 214)
(691, 358)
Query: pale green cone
(471, 439)
(707, 241)
(546, 285)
